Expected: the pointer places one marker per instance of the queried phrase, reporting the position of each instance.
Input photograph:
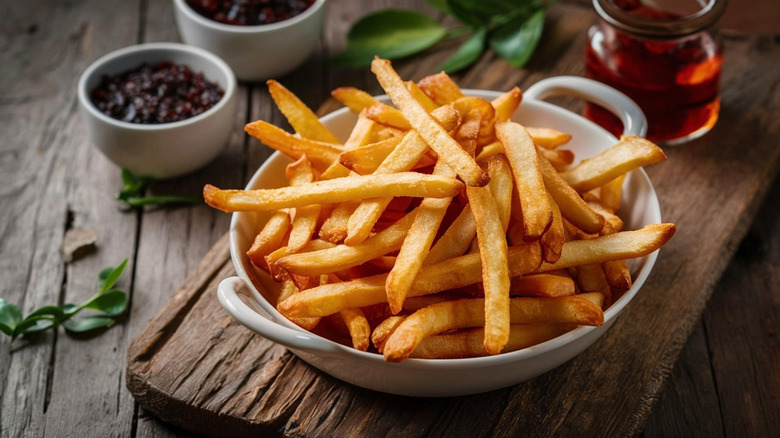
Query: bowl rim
(461, 363)
(94, 67)
(244, 30)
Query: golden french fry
(468, 343)
(447, 275)
(402, 158)
(436, 137)
(342, 257)
(542, 285)
(334, 229)
(456, 240)
(612, 222)
(287, 290)
(495, 269)
(501, 185)
(591, 279)
(271, 259)
(270, 238)
(466, 313)
(618, 246)
(487, 113)
(506, 104)
(321, 155)
(631, 152)
(366, 159)
(358, 327)
(417, 244)
(573, 208)
(382, 114)
(617, 274)
(523, 159)
(305, 221)
(355, 99)
(301, 118)
(552, 240)
(384, 330)
(559, 158)
(440, 88)
(420, 96)
(611, 193)
(361, 134)
(345, 189)
(490, 150)
(548, 138)
(468, 132)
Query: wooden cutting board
(195, 367)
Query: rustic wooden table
(726, 381)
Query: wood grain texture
(621, 374)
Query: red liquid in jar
(675, 82)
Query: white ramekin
(161, 150)
(257, 52)
(448, 377)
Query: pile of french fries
(440, 228)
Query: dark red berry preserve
(249, 12)
(159, 93)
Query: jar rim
(673, 28)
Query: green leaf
(468, 52)
(112, 303)
(34, 324)
(53, 311)
(112, 277)
(81, 325)
(70, 309)
(389, 34)
(160, 200)
(467, 12)
(10, 317)
(133, 185)
(516, 40)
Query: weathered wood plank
(45, 47)
(609, 389)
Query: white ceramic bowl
(254, 52)
(161, 150)
(448, 377)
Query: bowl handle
(227, 292)
(634, 121)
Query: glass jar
(665, 55)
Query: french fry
(287, 290)
(366, 159)
(611, 193)
(618, 246)
(552, 240)
(468, 343)
(402, 158)
(489, 150)
(548, 138)
(612, 222)
(523, 159)
(342, 257)
(486, 111)
(501, 185)
(271, 259)
(440, 88)
(495, 270)
(591, 279)
(388, 116)
(559, 158)
(456, 240)
(465, 313)
(447, 275)
(334, 229)
(417, 244)
(573, 208)
(355, 99)
(617, 274)
(358, 327)
(542, 285)
(433, 134)
(305, 221)
(506, 104)
(361, 134)
(631, 152)
(320, 154)
(384, 330)
(301, 118)
(420, 96)
(468, 132)
(350, 188)
(270, 238)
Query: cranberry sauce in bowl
(162, 92)
(249, 12)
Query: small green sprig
(132, 193)
(108, 303)
(511, 28)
